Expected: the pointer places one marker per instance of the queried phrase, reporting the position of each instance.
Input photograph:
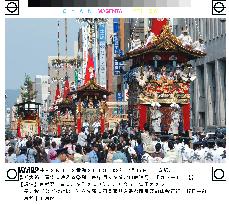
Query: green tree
(27, 92)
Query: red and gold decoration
(91, 105)
(160, 77)
(157, 25)
(19, 128)
(90, 73)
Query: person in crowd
(11, 157)
(145, 136)
(171, 155)
(22, 158)
(90, 138)
(47, 146)
(185, 153)
(62, 154)
(82, 138)
(69, 144)
(30, 152)
(157, 155)
(86, 152)
(93, 157)
(139, 150)
(70, 156)
(52, 151)
(79, 154)
(13, 141)
(41, 155)
(197, 156)
(210, 154)
(185, 38)
(164, 143)
(133, 141)
(101, 154)
(147, 156)
(96, 126)
(86, 127)
(220, 151)
(130, 152)
(111, 151)
(7, 145)
(119, 156)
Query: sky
(29, 42)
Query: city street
(116, 91)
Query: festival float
(87, 103)
(62, 112)
(159, 78)
(27, 111)
(91, 105)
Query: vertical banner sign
(94, 46)
(116, 45)
(96, 54)
(119, 96)
(102, 55)
(116, 68)
(85, 49)
(116, 33)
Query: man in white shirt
(210, 153)
(199, 45)
(96, 126)
(220, 152)
(86, 127)
(185, 153)
(82, 138)
(185, 38)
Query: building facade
(42, 88)
(42, 85)
(208, 91)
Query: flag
(102, 123)
(90, 72)
(66, 87)
(58, 130)
(57, 91)
(157, 25)
(76, 78)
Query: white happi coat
(96, 126)
(220, 155)
(185, 39)
(174, 123)
(156, 120)
(86, 127)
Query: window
(201, 119)
(200, 22)
(210, 29)
(206, 29)
(219, 27)
(223, 27)
(215, 27)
